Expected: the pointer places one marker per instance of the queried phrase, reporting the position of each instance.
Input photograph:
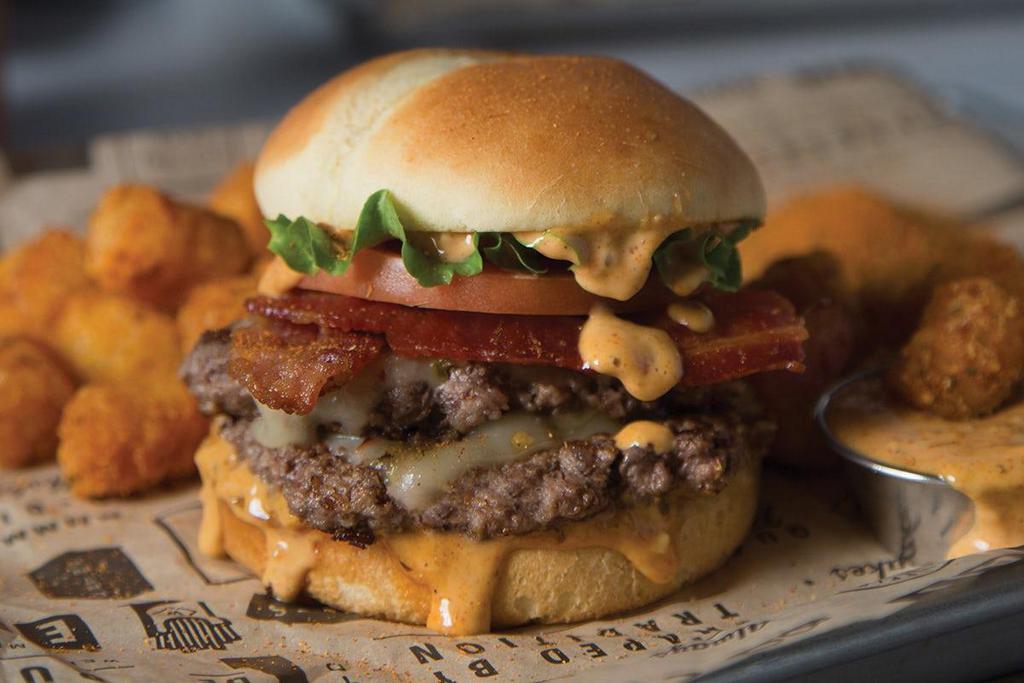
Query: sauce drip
(211, 530)
(645, 434)
(609, 263)
(693, 315)
(456, 575)
(644, 359)
(450, 247)
(983, 458)
(462, 573)
(687, 281)
(290, 557)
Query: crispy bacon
(419, 332)
(755, 331)
(287, 366)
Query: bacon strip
(755, 331)
(288, 366)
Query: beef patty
(463, 398)
(713, 427)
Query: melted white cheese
(415, 476)
(348, 406)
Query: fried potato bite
(144, 244)
(116, 440)
(33, 390)
(111, 338)
(234, 197)
(212, 306)
(37, 278)
(967, 356)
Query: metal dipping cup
(916, 516)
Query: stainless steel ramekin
(916, 516)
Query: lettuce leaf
(305, 246)
(505, 251)
(308, 248)
(716, 251)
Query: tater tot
(967, 356)
(111, 338)
(233, 197)
(213, 306)
(33, 390)
(149, 246)
(37, 278)
(119, 440)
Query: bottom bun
(585, 570)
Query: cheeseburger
(494, 372)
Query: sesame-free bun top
(488, 141)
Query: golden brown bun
(488, 141)
(534, 585)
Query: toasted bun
(487, 141)
(534, 585)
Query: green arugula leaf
(307, 248)
(378, 222)
(431, 272)
(717, 252)
(505, 251)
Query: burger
(494, 373)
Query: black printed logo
(103, 573)
(284, 670)
(266, 608)
(184, 626)
(61, 632)
(181, 525)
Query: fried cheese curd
(116, 440)
(234, 197)
(968, 354)
(144, 244)
(34, 387)
(36, 279)
(214, 305)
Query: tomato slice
(379, 275)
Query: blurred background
(75, 68)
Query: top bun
(474, 141)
